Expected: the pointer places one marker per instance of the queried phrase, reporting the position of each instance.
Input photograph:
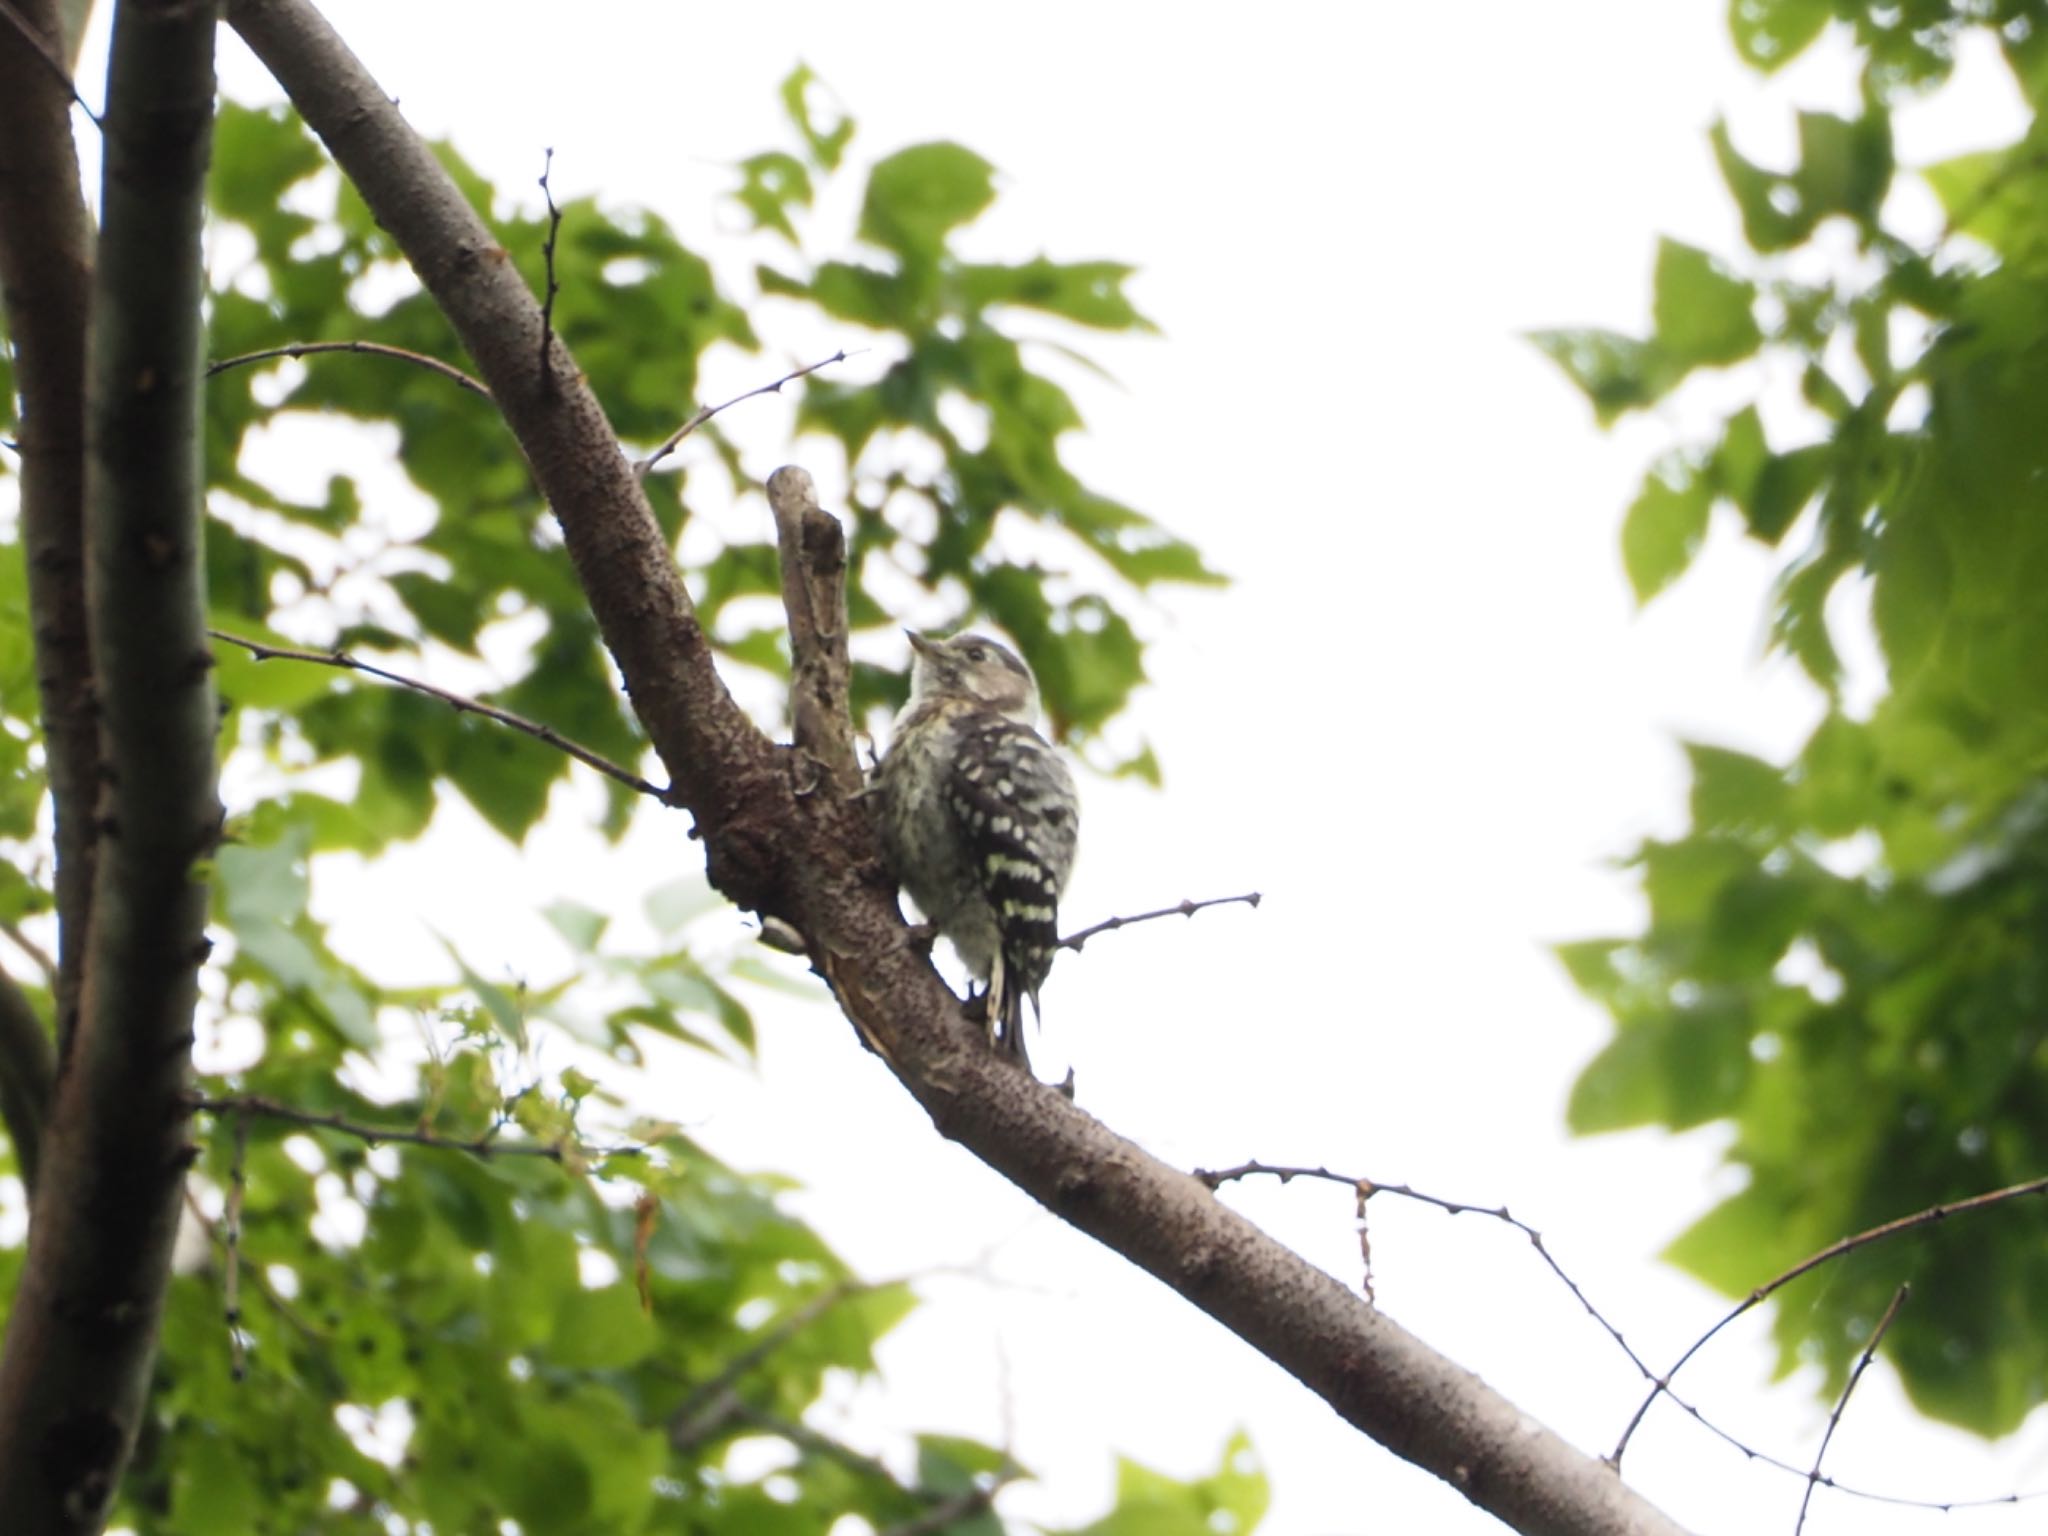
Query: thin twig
(944, 1515)
(1835, 1418)
(1934, 1213)
(41, 49)
(37, 955)
(485, 1146)
(1286, 1173)
(547, 303)
(706, 412)
(368, 348)
(1183, 909)
(1367, 1188)
(231, 1279)
(461, 703)
(691, 1423)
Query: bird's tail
(1006, 1011)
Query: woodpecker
(979, 818)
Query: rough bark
(785, 839)
(45, 280)
(82, 1333)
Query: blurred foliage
(1845, 958)
(571, 1328)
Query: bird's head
(973, 667)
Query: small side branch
(1186, 908)
(460, 703)
(1877, 1334)
(40, 47)
(1661, 1385)
(713, 1403)
(812, 547)
(547, 303)
(296, 349)
(704, 413)
(488, 1145)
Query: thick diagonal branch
(82, 1332)
(784, 840)
(45, 277)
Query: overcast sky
(1422, 721)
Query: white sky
(1420, 722)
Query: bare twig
(36, 953)
(485, 1146)
(947, 1513)
(704, 413)
(461, 703)
(1183, 909)
(447, 371)
(1367, 1188)
(547, 303)
(1660, 1385)
(1835, 1418)
(714, 1402)
(1286, 1173)
(41, 49)
(805, 1438)
(231, 1238)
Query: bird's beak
(920, 644)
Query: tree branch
(82, 1334)
(621, 559)
(1884, 1326)
(369, 348)
(33, 36)
(704, 413)
(460, 703)
(485, 1146)
(812, 546)
(1378, 1377)
(780, 843)
(45, 283)
(1660, 1386)
(28, 1070)
(1183, 908)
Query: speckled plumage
(979, 818)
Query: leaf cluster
(470, 1286)
(1843, 957)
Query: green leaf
(1616, 373)
(1734, 793)
(581, 926)
(770, 184)
(917, 196)
(601, 1330)
(211, 1490)
(1666, 524)
(1086, 292)
(1775, 213)
(1769, 34)
(1703, 314)
(826, 129)
(1785, 486)
(1845, 165)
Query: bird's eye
(976, 653)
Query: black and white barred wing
(1014, 803)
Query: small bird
(979, 818)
